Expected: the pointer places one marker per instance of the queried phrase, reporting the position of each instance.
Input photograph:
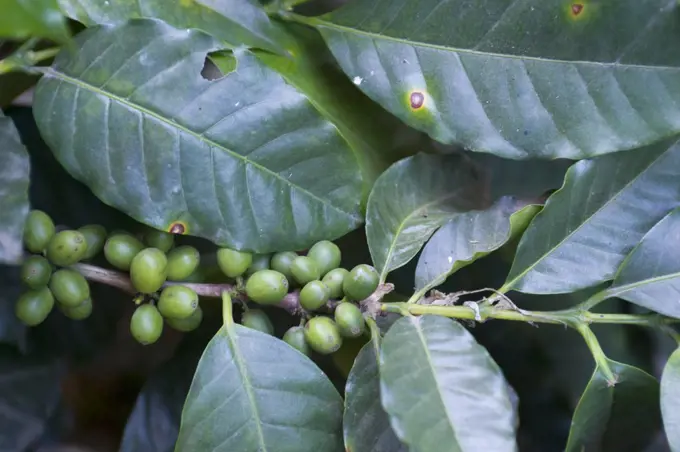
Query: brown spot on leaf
(177, 228)
(417, 100)
(576, 9)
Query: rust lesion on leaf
(416, 100)
(178, 227)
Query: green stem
(24, 60)
(227, 306)
(594, 347)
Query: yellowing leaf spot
(178, 227)
(186, 3)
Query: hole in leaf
(218, 64)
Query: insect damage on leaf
(416, 100)
(576, 9)
(178, 227)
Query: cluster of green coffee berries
(320, 278)
(153, 260)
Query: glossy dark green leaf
(412, 199)
(627, 405)
(603, 210)
(14, 181)
(29, 395)
(442, 390)
(365, 423)
(237, 23)
(471, 236)
(21, 19)
(670, 400)
(566, 83)
(246, 161)
(650, 275)
(253, 392)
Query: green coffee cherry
(322, 335)
(326, 255)
(257, 320)
(38, 231)
(334, 279)
(233, 263)
(295, 337)
(361, 282)
(189, 324)
(120, 249)
(182, 262)
(267, 287)
(281, 262)
(80, 312)
(148, 270)
(260, 262)
(177, 302)
(95, 236)
(66, 248)
(164, 241)
(349, 319)
(69, 287)
(34, 306)
(36, 272)
(146, 324)
(304, 269)
(314, 295)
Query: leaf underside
(563, 84)
(442, 390)
(365, 424)
(253, 392)
(235, 22)
(607, 408)
(245, 161)
(14, 182)
(603, 210)
(650, 275)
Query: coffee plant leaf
(245, 161)
(14, 181)
(587, 228)
(650, 275)
(471, 236)
(670, 400)
(576, 80)
(254, 392)
(413, 198)
(442, 390)
(22, 19)
(366, 425)
(237, 23)
(629, 403)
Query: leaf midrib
(416, 321)
(88, 87)
(390, 252)
(316, 22)
(247, 385)
(614, 290)
(509, 284)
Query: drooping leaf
(29, 395)
(14, 182)
(561, 85)
(650, 275)
(670, 400)
(628, 405)
(471, 236)
(365, 423)
(238, 23)
(411, 200)
(253, 392)
(442, 390)
(603, 210)
(22, 19)
(246, 161)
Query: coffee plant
(363, 225)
